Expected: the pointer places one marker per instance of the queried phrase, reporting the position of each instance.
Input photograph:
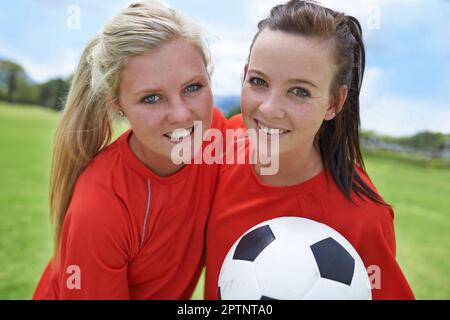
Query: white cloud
(61, 65)
(400, 116)
(229, 48)
(397, 115)
(371, 84)
(361, 9)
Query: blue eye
(193, 88)
(257, 82)
(303, 93)
(152, 99)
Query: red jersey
(243, 201)
(130, 234)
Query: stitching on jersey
(144, 227)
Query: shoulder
(95, 205)
(376, 219)
(97, 217)
(101, 172)
(95, 197)
(218, 120)
(365, 178)
(367, 202)
(237, 151)
(106, 160)
(364, 213)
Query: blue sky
(407, 84)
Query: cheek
(144, 120)
(203, 107)
(207, 101)
(306, 116)
(249, 102)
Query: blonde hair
(87, 121)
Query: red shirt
(243, 201)
(130, 233)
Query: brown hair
(338, 139)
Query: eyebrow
(156, 90)
(289, 81)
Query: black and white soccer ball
(293, 258)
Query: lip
(189, 137)
(258, 122)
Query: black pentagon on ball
(253, 243)
(334, 262)
(219, 294)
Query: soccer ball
(293, 258)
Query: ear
(337, 103)
(112, 103)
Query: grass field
(420, 194)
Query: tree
(236, 110)
(15, 86)
(12, 77)
(53, 92)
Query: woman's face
(162, 93)
(286, 89)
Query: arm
(377, 248)
(96, 242)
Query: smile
(180, 134)
(270, 130)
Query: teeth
(271, 131)
(267, 130)
(180, 134)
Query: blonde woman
(129, 221)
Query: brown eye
(257, 82)
(301, 92)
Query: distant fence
(442, 152)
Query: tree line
(17, 87)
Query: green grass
(421, 199)
(25, 238)
(419, 192)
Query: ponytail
(338, 140)
(84, 130)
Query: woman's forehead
(290, 54)
(176, 61)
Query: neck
(158, 164)
(294, 168)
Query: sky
(407, 81)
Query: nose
(272, 107)
(179, 113)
